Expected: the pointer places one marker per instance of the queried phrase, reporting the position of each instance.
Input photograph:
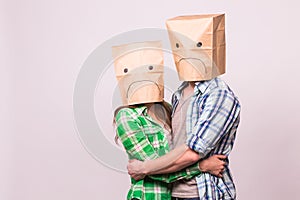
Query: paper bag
(198, 45)
(139, 72)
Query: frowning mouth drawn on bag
(137, 87)
(195, 62)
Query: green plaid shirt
(144, 139)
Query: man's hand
(136, 169)
(213, 165)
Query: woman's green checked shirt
(144, 139)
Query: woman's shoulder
(130, 111)
(126, 110)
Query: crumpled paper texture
(139, 71)
(198, 46)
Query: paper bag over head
(198, 45)
(139, 72)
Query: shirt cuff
(193, 169)
(199, 145)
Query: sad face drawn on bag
(198, 46)
(139, 71)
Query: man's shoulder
(218, 83)
(212, 85)
(217, 86)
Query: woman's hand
(214, 165)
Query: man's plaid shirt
(211, 123)
(144, 139)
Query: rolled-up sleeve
(216, 117)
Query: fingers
(221, 163)
(221, 157)
(220, 174)
(217, 173)
(128, 169)
(137, 177)
(129, 172)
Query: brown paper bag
(198, 45)
(139, 71)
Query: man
(209, 108)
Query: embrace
(180, 150)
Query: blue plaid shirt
(211, 124)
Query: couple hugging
(178, 151)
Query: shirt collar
(200, 86)
(142, 110)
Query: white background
(43, 45)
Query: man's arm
(213, 165)
(188, 158)
(219, 112)
(138, 146)
(175, 160)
